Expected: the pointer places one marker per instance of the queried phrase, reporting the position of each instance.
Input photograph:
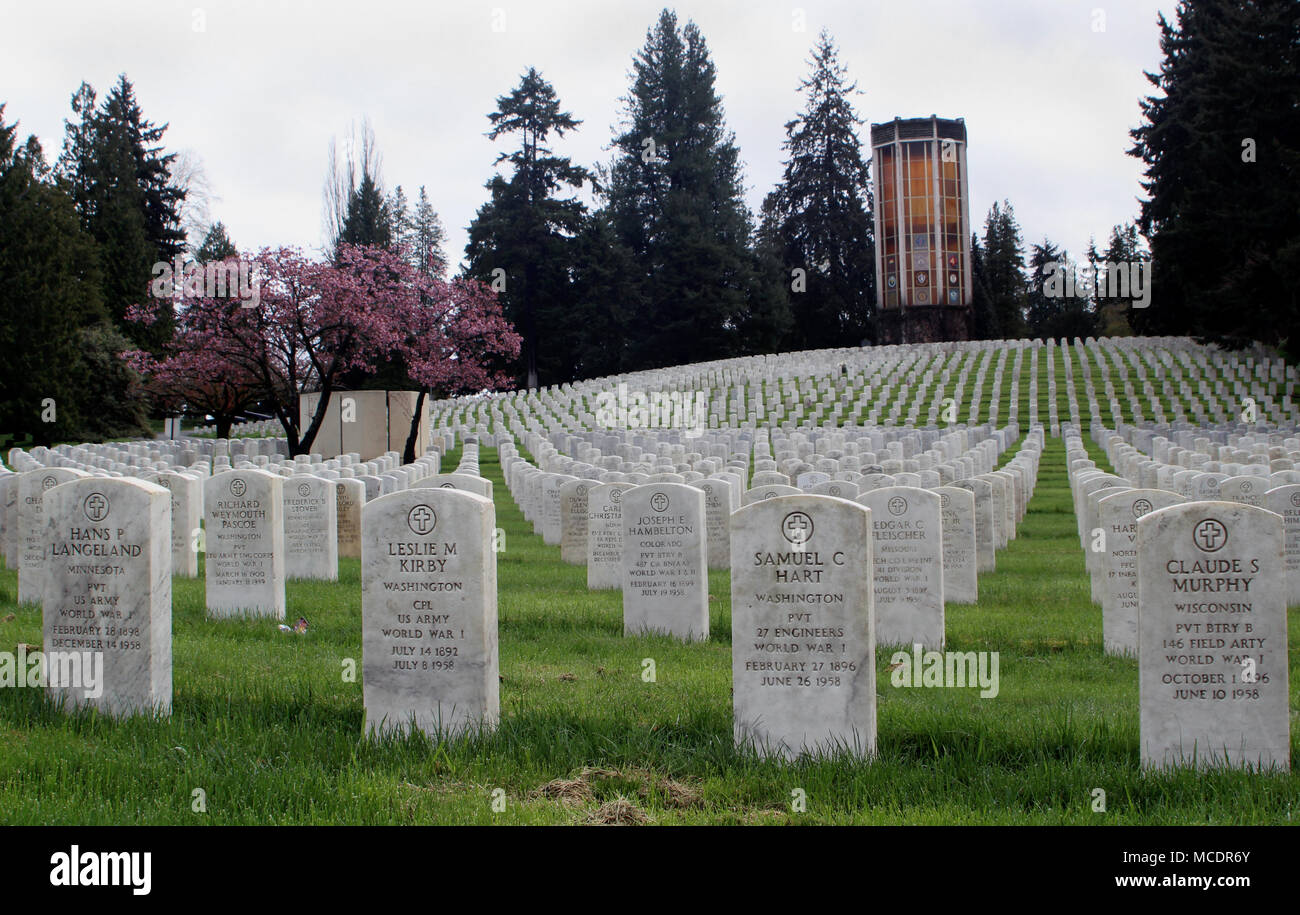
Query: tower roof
(918, 129)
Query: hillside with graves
(1011, 581)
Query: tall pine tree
(1116, 313)
(998, 264)
(603, 289)
(370, 219)
(766, 326)
(216, 245)
(522, 240)
(60, 379)
(426, 238)
(120, 181)
(820, 215)
(1044, 305)
(675, 202)
(1058, 306)
(1221, 145)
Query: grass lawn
(265, 726)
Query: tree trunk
(530, 325)
(408, 453)
(223, 425)
(308, 437)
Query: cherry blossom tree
(314, 320)
(196, 382)
(458, 342)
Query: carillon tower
(923, 272)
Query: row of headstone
(942, 539)
(665, 553)
(1195, 586)
(428, 594)
(805, 681)
(804, 613)
(1242, 467)
(255, 527)
(816, 582)
(835, 387)
(262, 529)
(556, 410)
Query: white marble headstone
(1285, 501)
(1212, 663)
(349, 498)
(665, 561)
(429, 612)
(31, 528)
(573, 520)
(605, 535)
(186, 517)
(311, 528)
(802, 623)
(243, 524)
(1118, 515)
(107, 604)
(907, 551)
(960, 584)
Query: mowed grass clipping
(266, 729)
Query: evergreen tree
(426, 238)
(1221, 145)
(603, 288)
(1116, 311)
(767, 325)
(1076, 319)
(74, 164)
(522, 240)
(120, 181)
(369, 220)
(1001, 294)
(1058, 304)
(399, 215)
(1044, 303)
(52, 320)
(675, 201)
(983, 322)
(113, 400)
(821, 212)
(216, 246)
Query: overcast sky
(1048, 88)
